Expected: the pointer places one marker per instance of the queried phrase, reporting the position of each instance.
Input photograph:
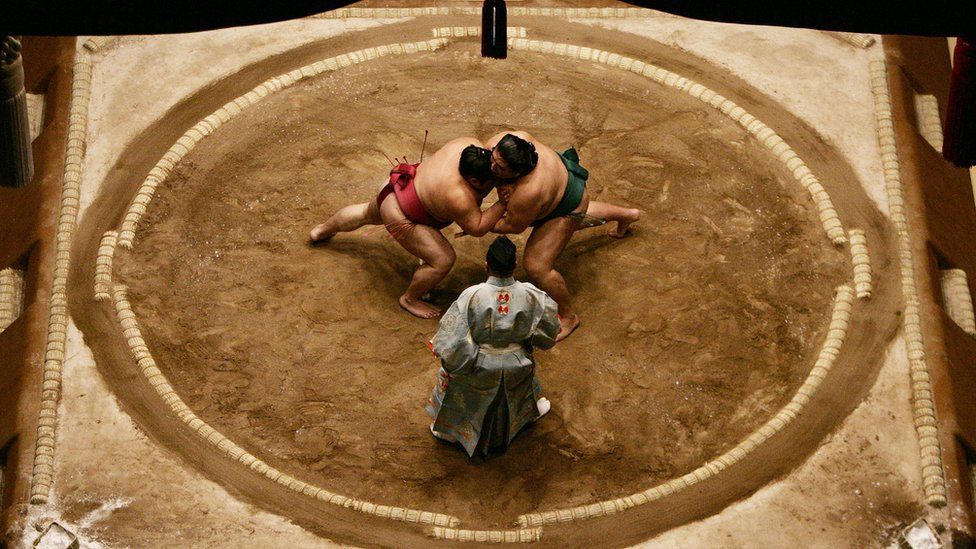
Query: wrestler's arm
(518, 216)
(466, 213)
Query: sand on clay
(697, 328)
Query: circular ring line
(42, 475)
(130, 327)
(828, 216)
(926, 424)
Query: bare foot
(419, 308)
(621, 230)
(567, 326)
(318, 235)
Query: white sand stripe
(933, 475)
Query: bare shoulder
(493, 140)
(517, 133)
(524, 135)
(459, 199)
(445, 159)
(462, 142)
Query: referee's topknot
(501, 256)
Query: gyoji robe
(486, 390)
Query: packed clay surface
(696, 328)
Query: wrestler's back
(439, 180)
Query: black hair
(501, 256)
(518, 153)
(475, 162)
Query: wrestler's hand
(505, 192)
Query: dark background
(110, 17)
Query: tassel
(959, 145)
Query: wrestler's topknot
(518, 153)
(475, 162)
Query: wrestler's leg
(611, 212)
(347, 219)
(428, 244)
(541, 250)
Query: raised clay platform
(828, 452)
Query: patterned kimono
(486, 390)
